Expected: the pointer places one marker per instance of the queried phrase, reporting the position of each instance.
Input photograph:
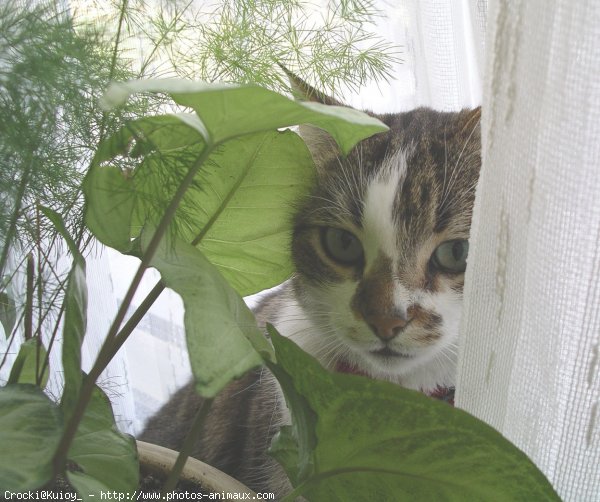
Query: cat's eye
(451, 256)
(341, 246)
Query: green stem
(29, 298)
(40, 298)
(12, 338)
(191, 439)
(162, 38)
(112, 343)
(51, 342)
(136, 317)
(12, 228)
(155, 241)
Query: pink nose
(386, 327)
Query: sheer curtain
(531, 326)
(441, 47)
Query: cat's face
(380, 246)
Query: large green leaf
(112, 193)
(222, 337)
(28, 363)
(30, 429)
(110, 199)
(107, 458)
(242, 207)
(378, 442)
(236, 210)
(160, 133)
(229, 111)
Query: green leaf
(28, 362)
(73, 334)
(8, 311)
(107, 458)
(228, 111)
(236, 210)
(59, 224)
(156, 133)
(242, 207)
(236, 206)
(110, 199)
(222, 337)
(75, 317)
(30, 429)
(377, 441)
(112, 194)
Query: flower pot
(158, 462)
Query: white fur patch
(378, 217)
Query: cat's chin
(387, 362)
(381, 360)
(424, 369)
(388, 354)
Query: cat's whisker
(457, 167)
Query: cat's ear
(306, 92)
(321, 145)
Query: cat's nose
(387, 327)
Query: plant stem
(154, 242)
(51, 342)
(12, 228)
(112, 343)
(136, 317)
(188, 444)
(10, 341)
(29, 298)
(40, 298)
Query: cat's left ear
(321, 145)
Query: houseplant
(146, 195)
(121, 212)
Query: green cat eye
(341, 246)
(451, 256)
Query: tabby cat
(380, 250)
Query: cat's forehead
(379, 222)
(399, 189)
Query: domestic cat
(380, 249)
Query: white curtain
(530, 362)
(440, 45)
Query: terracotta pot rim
(157, 460)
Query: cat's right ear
(306, 92)
(321, 145)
